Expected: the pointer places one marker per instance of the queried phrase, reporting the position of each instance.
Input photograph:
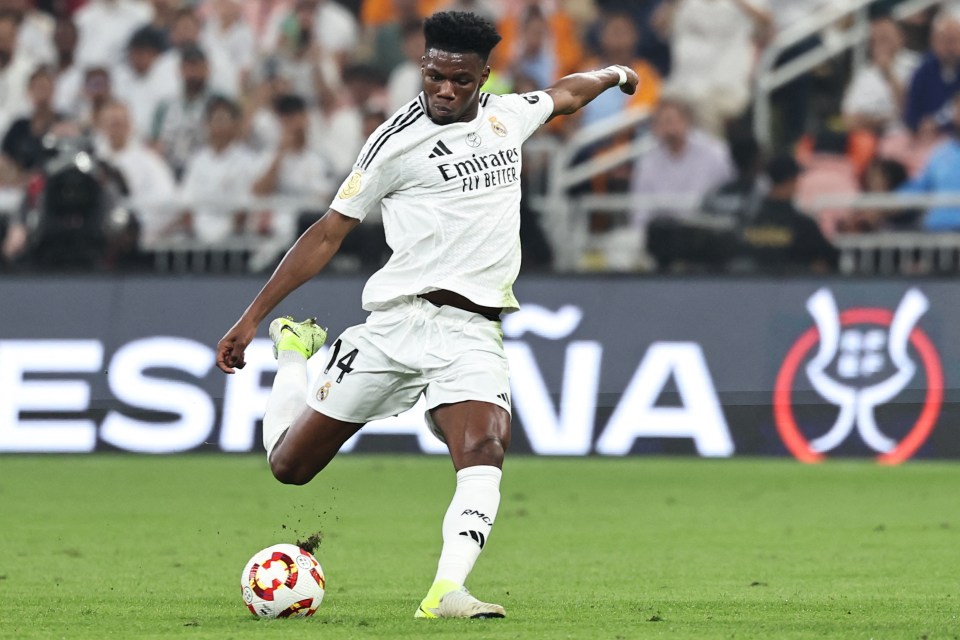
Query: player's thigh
(469, 400)
(360, 383)
(476, 432)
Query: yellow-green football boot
(305, 337)
(450, 600)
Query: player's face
(451, 84)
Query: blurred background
(767, 135)
(144, 141)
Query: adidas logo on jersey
(440, 150)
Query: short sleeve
(533, 109)
(368, 184)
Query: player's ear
(484, 76)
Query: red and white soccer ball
(282, 581)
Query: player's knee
(488, 450)
(287, 471)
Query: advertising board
(604, 366)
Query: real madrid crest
(351, 187)
(498, 127)
(473, 140)
(323, 391)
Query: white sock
(288, 397)
(466, 527)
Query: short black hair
(218, 103)
(289, 104)
(892, 171)
(460, 32)
(782, 169)
(746, 153)
(192, 53)
(148, 37)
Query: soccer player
(445, 172)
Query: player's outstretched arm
(571, 93)
(305, 259)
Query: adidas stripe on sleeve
(376, 172)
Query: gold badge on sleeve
(351, 187)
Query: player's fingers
(235, 357)
(222, 363)
(226, 360)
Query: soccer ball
(282, 581)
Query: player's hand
(231, 346)
(633, 81)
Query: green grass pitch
(126, 547)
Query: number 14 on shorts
(344, 364)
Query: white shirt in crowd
(181, 129)
(224, 73)
(300, 72)
(303, 185)
(450, 199)
(14, 101)
(713, 51)
(790, 12)
(237, 42)
(150, 183)
(215, 186)
(870, 94)
(104, 28)
(403, 85)
(337, 136)
(334, 27)
(35, 37)
(703, 165)
(145, 93)
(68, 92)
(304, 174)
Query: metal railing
(770, 77)
(566, 217)
(868, 253)
(560, 212)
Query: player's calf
(308, 446)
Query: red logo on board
(859, 360)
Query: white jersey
(450, 198)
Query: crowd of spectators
(219, 120)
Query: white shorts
(411, 347)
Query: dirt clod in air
(311, 543)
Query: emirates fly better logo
(858, 362)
